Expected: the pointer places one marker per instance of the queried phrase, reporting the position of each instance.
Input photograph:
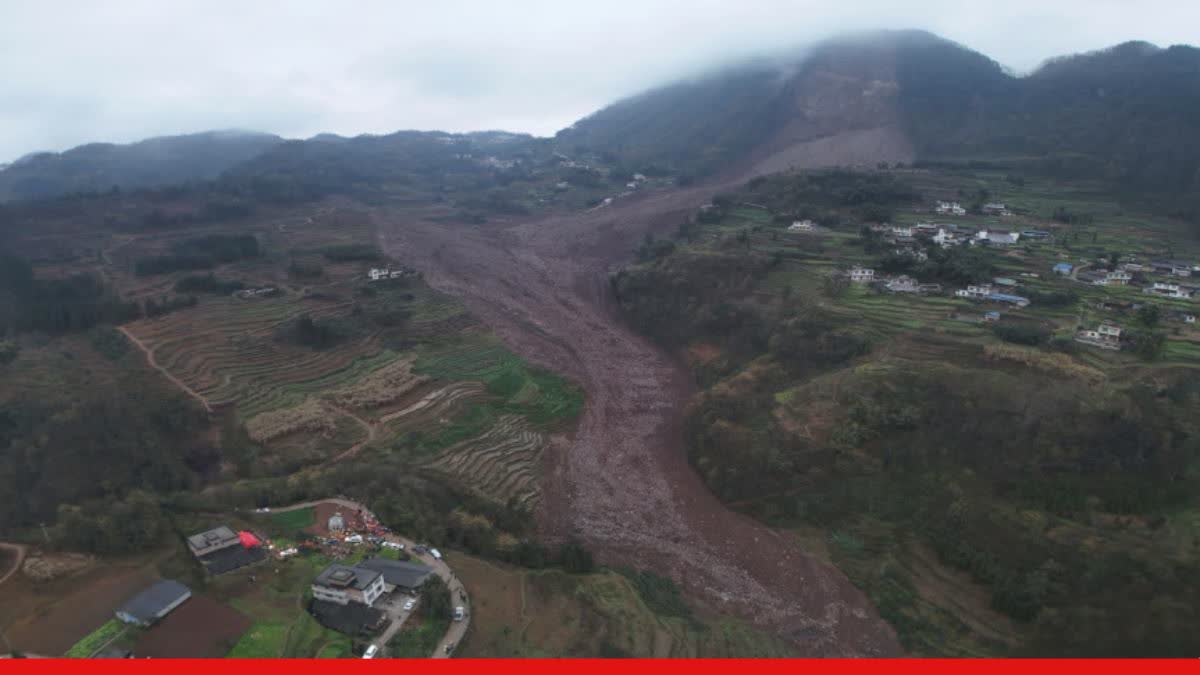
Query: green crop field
(290, 521)
(96, 640)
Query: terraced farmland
(501, 464)
(234, 360)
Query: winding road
(622, 483)
(458, 593)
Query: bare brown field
(48, 618)
(200, 628)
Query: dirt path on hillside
(18, 554)
(154, 364)
(353, 450)
(623, 484)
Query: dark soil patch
(200, 628)
(58, 614)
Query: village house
(1175, 268)
(1035, 234)
(1004, 281)
(988, 292)
(912, 251)
(247, 293)
(1118, 277)
(929, 289)
(381, 273)
(861, 275)
(945, 238)
(926, 228)
(342, 585)
(902, 231)
(406, 576)
(1168, 290)
(903, 284)
(997, 237)
(952, 208)
(1063, 269)
(1009, 299)
(1105, 336)
(975, 292)
(222, 550)
(802, 226)
(991, 316)
(639, 177)
(1093, 278)
(996, 209)
(1183, 317)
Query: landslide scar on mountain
(622, 484)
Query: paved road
(458, 593)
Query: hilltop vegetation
(1062, 483)
(100, 167)
(952, 103)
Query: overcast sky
(121, 70)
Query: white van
(354, 539)
(437, 555)
(459, 613)
(371, 652)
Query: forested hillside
(1129, 115)
(1048, 489)
(99, 167)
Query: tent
(249, 540)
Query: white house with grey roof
(213, 540)
(341, 584)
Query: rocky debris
(622, 483)
(50, 566)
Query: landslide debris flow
(622, 483)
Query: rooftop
(217, 536)
(145, 606)
(342, 576)
(397, 573)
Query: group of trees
(207, 283)
(89, 446)
(75, 303)
(940, 451)
(831, 196)
(312, 333)
(200, 253)
(957, 103)
(352, 252)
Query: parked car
(459, 613)
(437, 555)
(371, 652)
(409, 604)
